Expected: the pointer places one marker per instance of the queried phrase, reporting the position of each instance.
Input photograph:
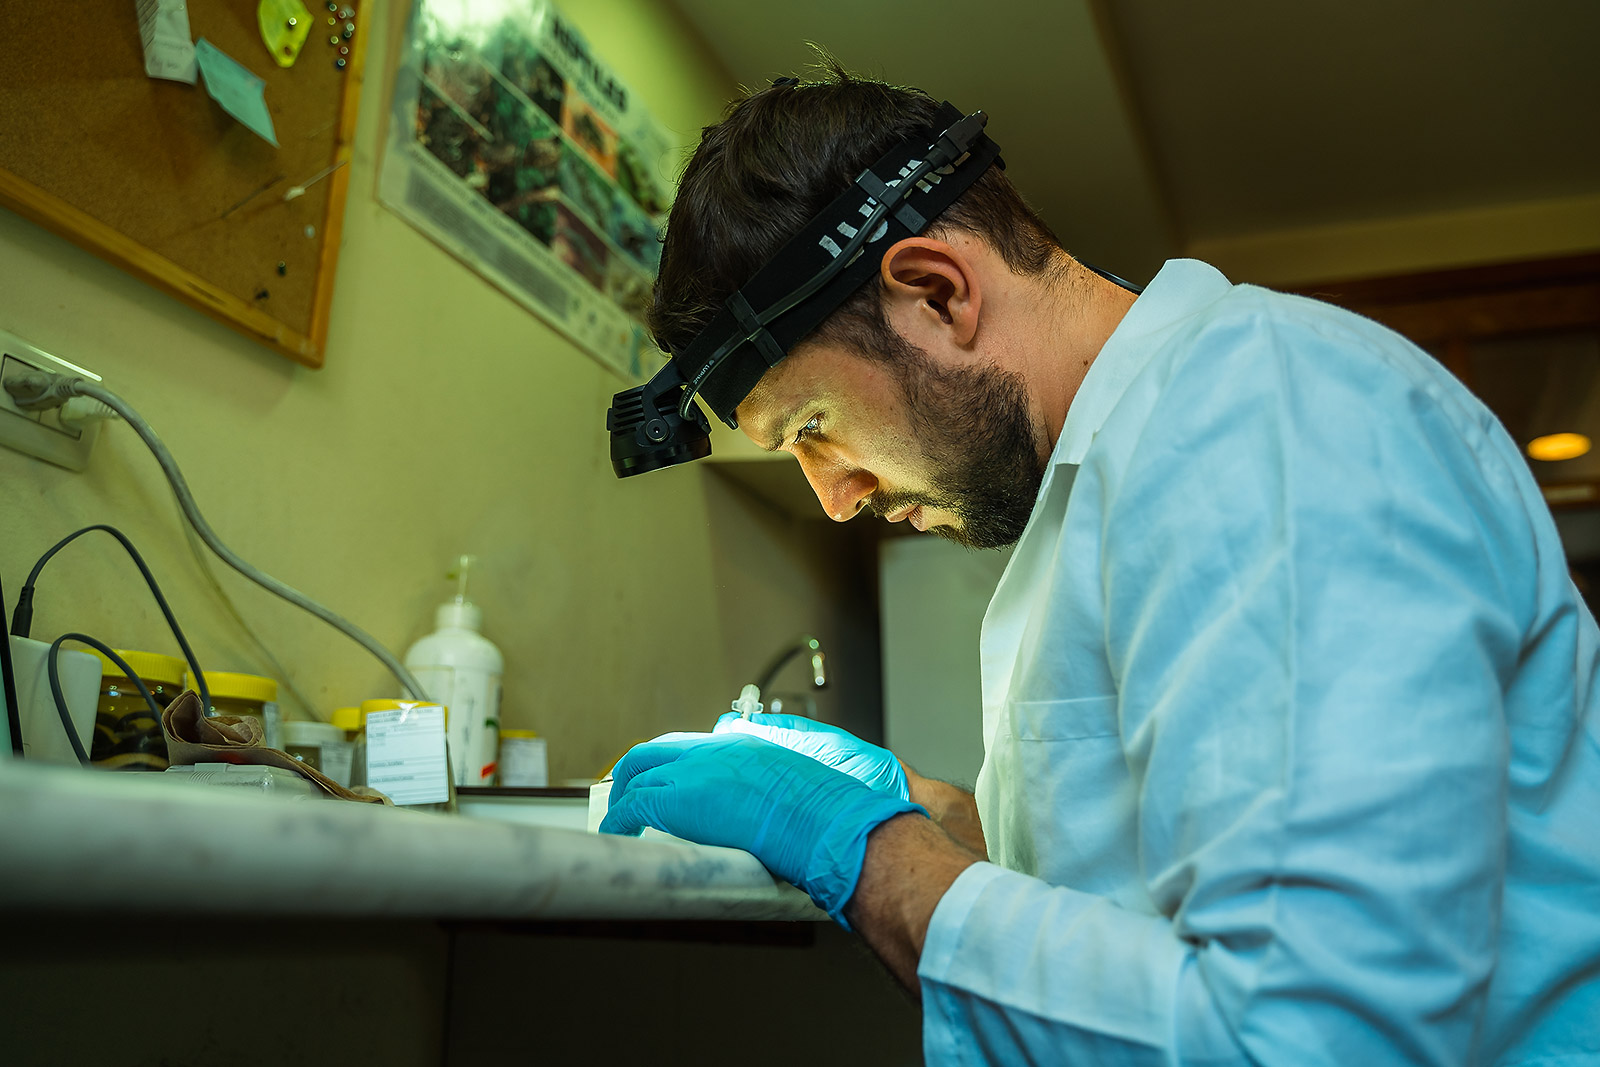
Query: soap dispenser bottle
(460, 668)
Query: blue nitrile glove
(839, 749)
(807, 823)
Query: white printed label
(523, 763)
(406, 755)
(336, 757)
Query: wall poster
(515, 148)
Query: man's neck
(1077, 312)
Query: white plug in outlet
(42, 433)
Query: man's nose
(841, 490)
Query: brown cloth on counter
(194, 738)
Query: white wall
(446, 420)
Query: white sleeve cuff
(944, 928)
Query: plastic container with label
(460, 668)
(523, 760)
(127, 735)
(320, 745)
(248, 696)
(352, 723)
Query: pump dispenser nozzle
(463, 670)
(460, 611)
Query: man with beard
(1292, 752)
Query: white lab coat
(1292, 742)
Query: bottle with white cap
(461, 669)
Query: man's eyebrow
(782, 431)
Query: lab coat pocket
(1065, 720)
(1057, 793)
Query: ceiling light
(1556, 446)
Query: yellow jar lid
(520, 735)
(370, 706)
(150, 666)
(348, 718)
(228, 685)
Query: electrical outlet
(41, 433)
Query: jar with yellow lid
(523, 761)
(248, 696)
(321, 745)
(127, 734)
(408, 758)
(353, 723)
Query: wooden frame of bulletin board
(155, 177)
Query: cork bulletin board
(155, 177)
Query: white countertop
(75, 839)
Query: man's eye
(808, 429)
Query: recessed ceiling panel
(1266, 114)
(1038, 69)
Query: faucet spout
(806, 645)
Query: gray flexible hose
(62, 387)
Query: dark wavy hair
(779, 156)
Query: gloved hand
(839, 749)
(807, 823)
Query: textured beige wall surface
(447, 420)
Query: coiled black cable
(22, 617)
(53, 667)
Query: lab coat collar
(1181, 288)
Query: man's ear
(932, 289)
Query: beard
(973, 427)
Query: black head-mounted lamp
(659, 425)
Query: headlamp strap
(908, 216)
(714, 365)
(754, 332)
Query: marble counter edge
(72, 839)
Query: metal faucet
(805, 643)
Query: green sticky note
(238, 91)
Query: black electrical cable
(22, 617)
(54, 669)
(8, 679)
